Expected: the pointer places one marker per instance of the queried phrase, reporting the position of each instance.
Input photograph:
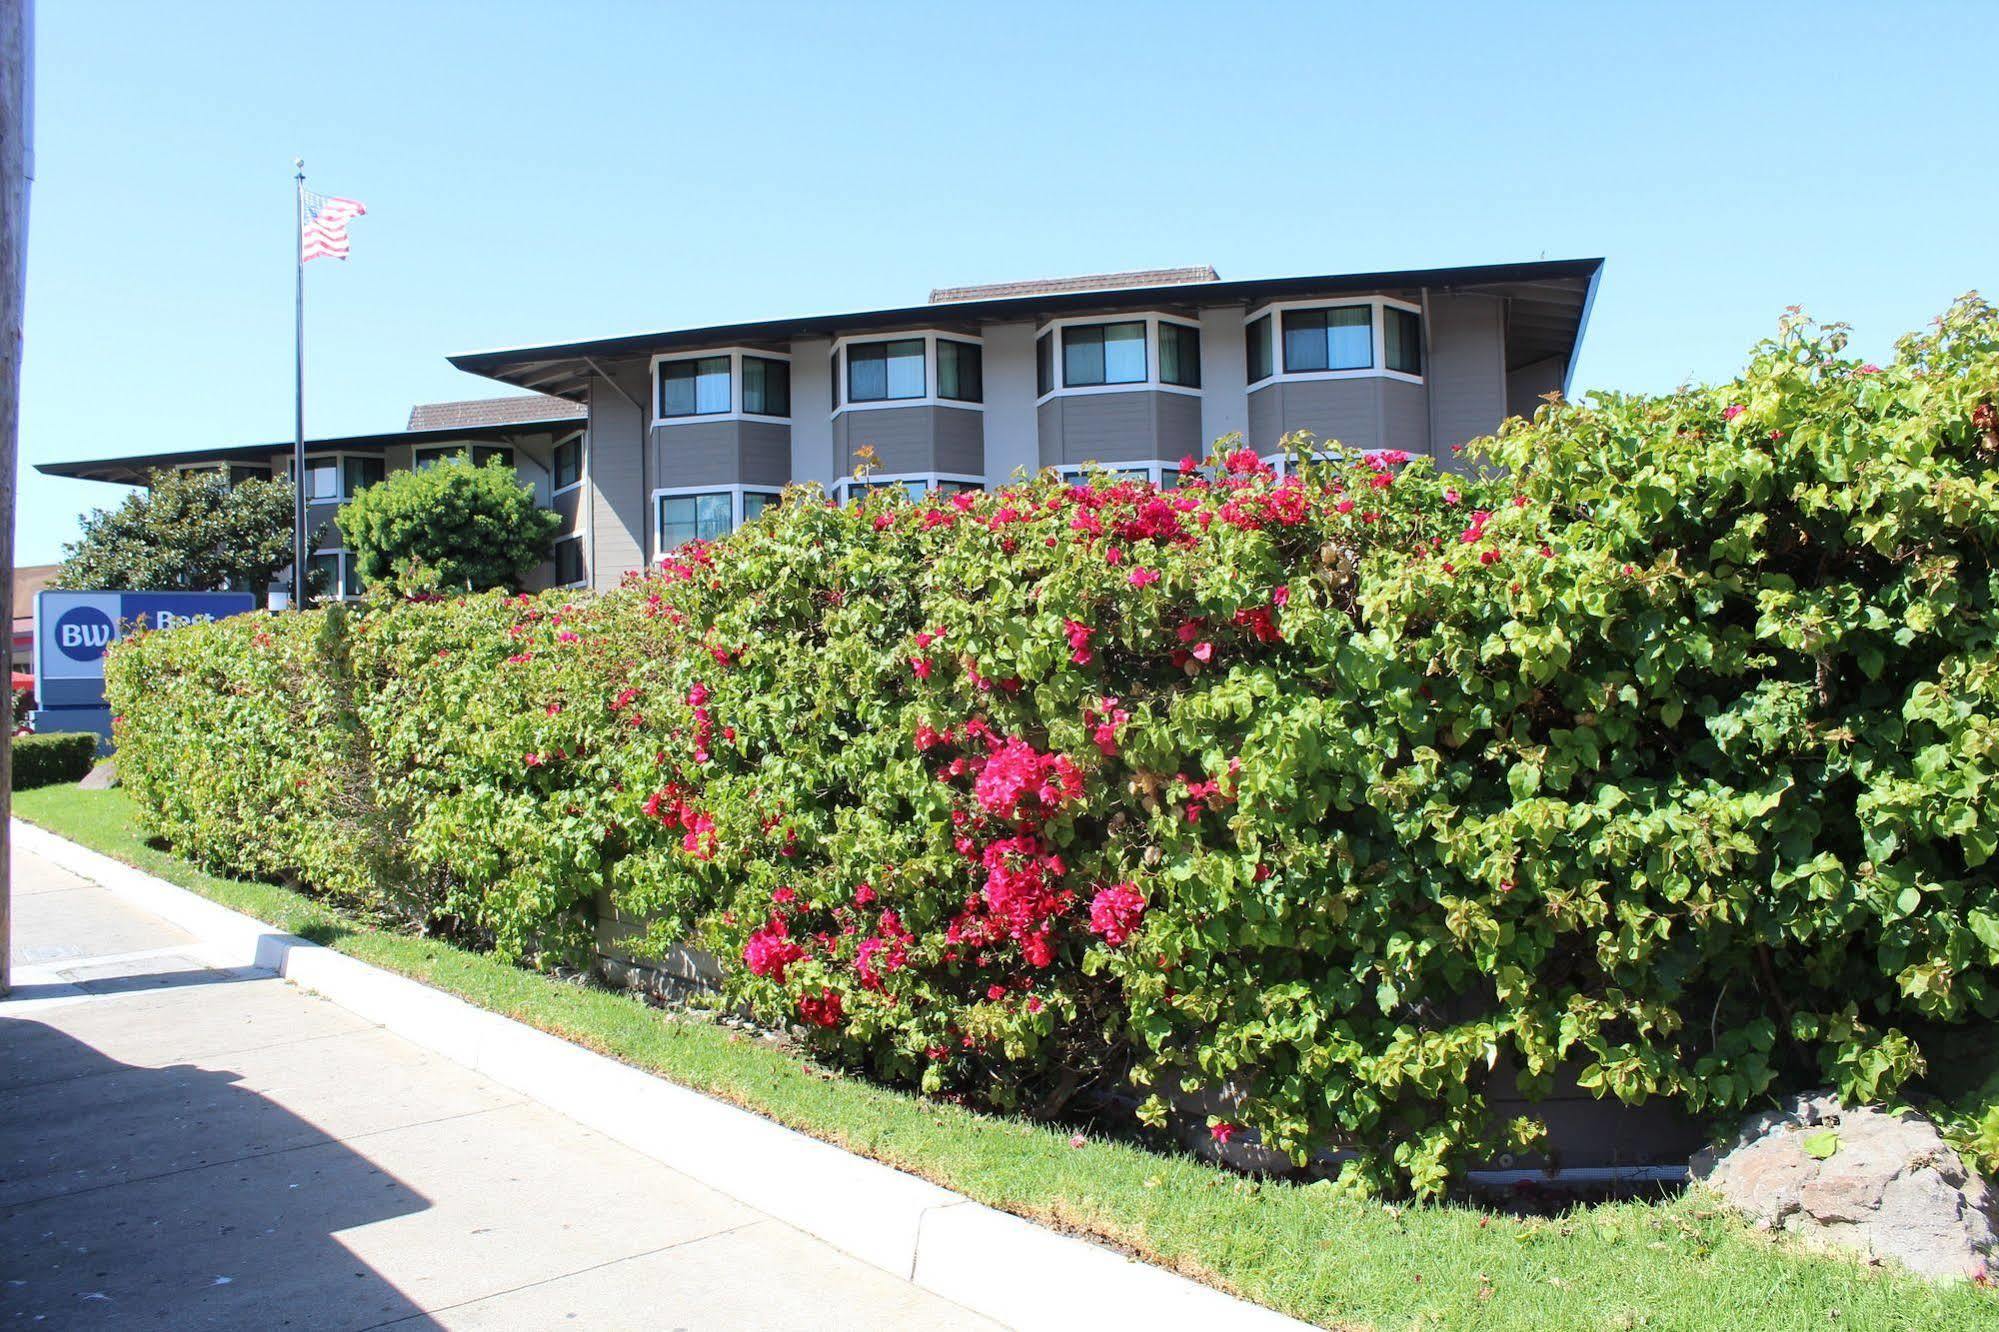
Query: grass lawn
(1317, 1256)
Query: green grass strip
(1303, 1249)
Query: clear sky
(537, 172)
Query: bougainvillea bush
(1653, 749)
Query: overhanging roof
(1548, 300)
(134, 469)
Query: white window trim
(419, 451)
(1156, 469)
(930, 398)
(554, 563)
(843, 489)
(1281, 462)
(735, 493)
(735, 412)
(340, 457)
(346, 557)
(1152, 383)
(582, 454)
(1378, 327)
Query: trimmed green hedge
(59, 756)
(1662, 755)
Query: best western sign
(74, 629)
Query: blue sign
(74, 629)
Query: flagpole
(298, 388)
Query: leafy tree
(187, 531)
(452, 526)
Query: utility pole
(17, 168)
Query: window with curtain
(699, 387)
(1094, 354)
(960, 371)
(1257, 339)
(568, 462)
(322, 479)
(685, 518)
(766, 386)
(1402, 331)
(885, 371)
(1179, 355)
(1339, 338)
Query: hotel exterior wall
(720, 453)
(913, 439)
(1119, 427)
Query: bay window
(766, 386)
(681, 516)
(480, 454)
(1339, 338)
(1100, 354)
(1403, 333)
(330, 477)
(960, 371)
(698, 387)
(1179, 354)
(569, 561)
(1257, 340)
(885, 371)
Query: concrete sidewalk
(182, 1146)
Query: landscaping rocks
(1884, 1184)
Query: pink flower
(1116, 912)
(1189, 463)
(1868, 369)
(566, 637)
(1113, 556)
(1223, 1131)
(771, 950)
(1079, 641)
(1733, 410)
(921, 667)
(823, 1011)
(864, 895)
(1143, 577)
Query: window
(238, 474)
(960, 371)
(1165, 475)
(1257, 339)
(329, 477)
(569, 561)
(685, 518)
(913, 487)
(833, 377)
(568, 462)
(1341, 338)
(333, 573)
(1179, 355)
(699, 387)
(1403, 331)
(754, 504)
(1095, 354)
(1044, 365)
(481, 454)
(766, 386)
(885, 371)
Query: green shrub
(58, 756)
(1661, 756)
(450, 526)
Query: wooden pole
(16, 169)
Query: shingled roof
(494, 411)
(1144, 277)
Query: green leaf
(1820, 1145)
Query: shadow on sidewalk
(171, 1198)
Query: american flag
(325, 226)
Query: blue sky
(536, 172)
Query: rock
(102, 777)
(1885, 1185)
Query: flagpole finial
(298, 164)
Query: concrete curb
(989, 1261)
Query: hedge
(1654, 749)
(58, 756)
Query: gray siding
(1119, 427)
(1224, 377)
(1012, 434)
(720, 453)
(1266, 419)
(811, 405)
(913, 439)
(1525, 386)
(1343, 411)
(1465, 369)
(615, 481)
(1405, 416)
